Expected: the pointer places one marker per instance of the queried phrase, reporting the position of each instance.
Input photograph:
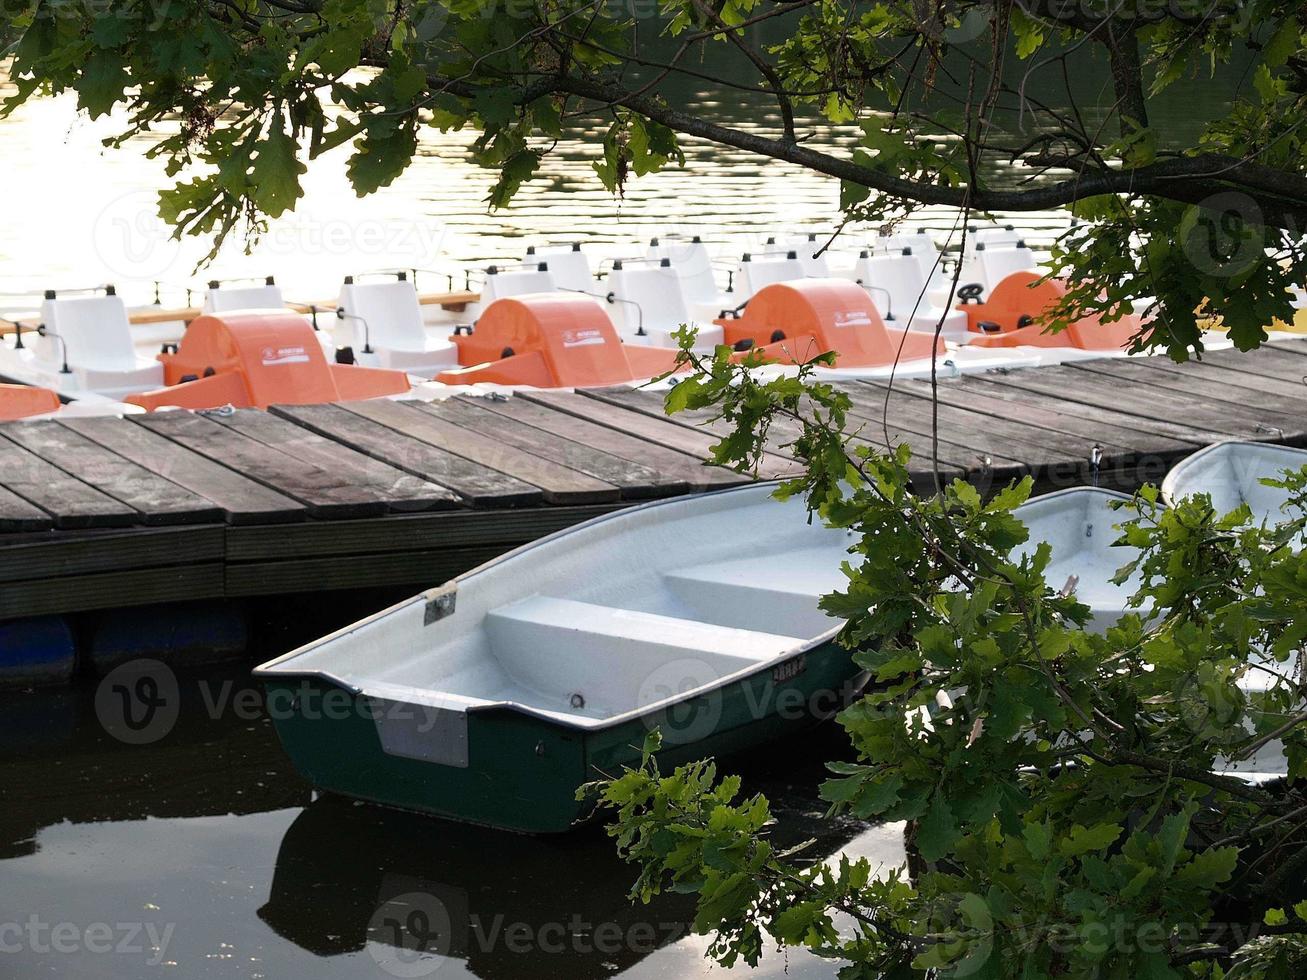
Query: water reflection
(211, 839)
(511, 906)
(59, 765)
(411, 890)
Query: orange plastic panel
(520, 369)
(227, 388)
(20, 401)
(813, 316)
(355, 382)
(649, 362)
(1087, 333)
(551, 340)
(1021, 294)
(572, 333)
(264, 359)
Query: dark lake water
(205, 855)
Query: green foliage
(1197, 266)
(1063, 783)
(933, 111)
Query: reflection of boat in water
(352, 877)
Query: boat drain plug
(578, 701)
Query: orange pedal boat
(257, 359)
(22, 401)
(792, 322)
(1008, 318)
(551, 340)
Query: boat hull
(523, 771)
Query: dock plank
(990, 452)
(691, 470)
(402, 491)
(867, 419)
(242, 500)
(420, 569)
(1266, 402)
(70, 502)
(111, 590)
(636, 480)
(470, 527)
(1222, 374)
(158, 500)
(1220, 420)
(1283, 362)
(18, 515)
(650, 403)
(976, 394)
(559, 484)
(783, 431)
(656, 429)
(478, 485)
(323, 494)
(51, 556)
(1017, 386)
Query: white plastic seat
(934, 270)
(384, 327)
(807, 248)
(511, 280)
(751, 594)
(219, 299)
(514, 281)
(924, 249)
(989, 266)
(568, 266)
(898, 289)
(704, 300)
(596, 660)
(94, 330)
(649, 306)
(993, 236)
(94, 337)
(759, 270)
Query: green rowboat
(493, 698)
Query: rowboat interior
(1232, 473)
(605, 621)
(1078, 524)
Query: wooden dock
(100, 513)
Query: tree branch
(1281, 196)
